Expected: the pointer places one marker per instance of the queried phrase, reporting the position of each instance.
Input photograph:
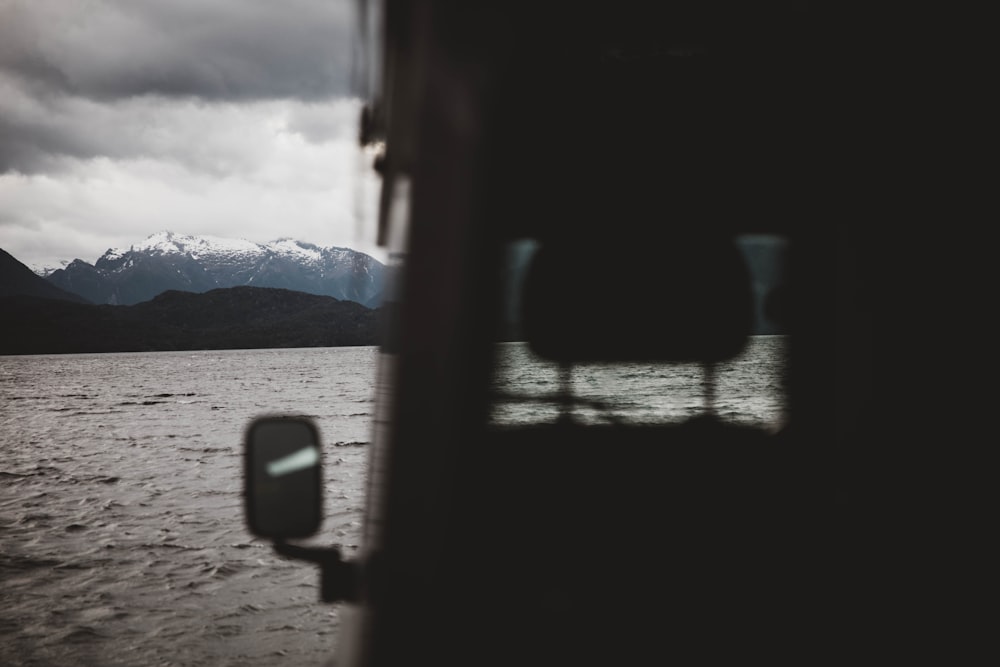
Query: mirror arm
(340, 580)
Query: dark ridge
(225, 318)
(16, 279)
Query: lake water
(122, 540)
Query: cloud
(219, 50)
(119, 118)
(38, 134)
(101, 78)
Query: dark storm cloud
(50, 134)
(214, 50)
(38, 128)
(112, 78)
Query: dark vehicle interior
(659, 132)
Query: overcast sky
(233, 118)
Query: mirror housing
(282, 477)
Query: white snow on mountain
(167, 242)
(217, 249)
(44, 271)
(303, 251)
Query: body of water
(122, 539)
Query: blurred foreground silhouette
(658, 132)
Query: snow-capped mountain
(166, 261)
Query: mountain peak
(167, 242)
(168, 260)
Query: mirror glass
(283, 477)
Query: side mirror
(282, 477)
